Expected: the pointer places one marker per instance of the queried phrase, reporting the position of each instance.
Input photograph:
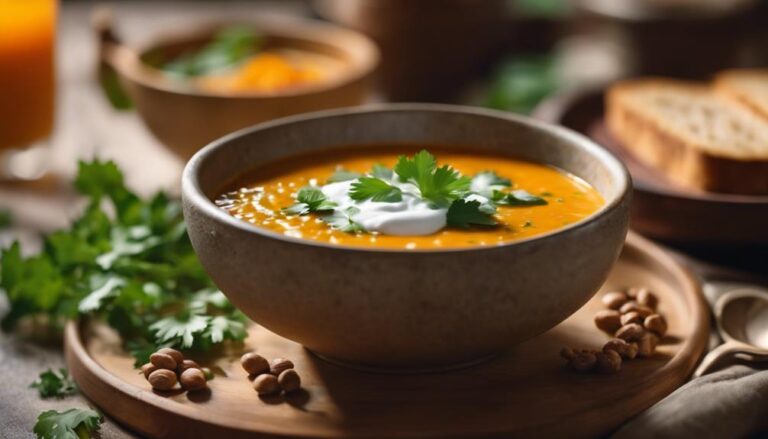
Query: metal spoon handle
(716, 357)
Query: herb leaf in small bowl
(228, 47)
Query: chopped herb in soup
(401, 199)
(236, 61)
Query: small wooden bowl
(186, 118)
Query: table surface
(88, 127)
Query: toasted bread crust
(726, 84)
(683, 161)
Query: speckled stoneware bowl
(405, 309)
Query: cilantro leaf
(382, 172)
(223, 327)
(375, 189)
(229, 46)
(342, 174)
(342, 220)
(70, 424)
(180, 330)
(98, 179)
(418, 169)
(309, 199)
(439, 185)
(463, 213)
(50, 383)
(446, 186)
(518, 198)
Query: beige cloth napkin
(729, 403)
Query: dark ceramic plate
(660, 208)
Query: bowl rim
(193, 194)
(365, 56)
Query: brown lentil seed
(162, 379)
(278, 365)
(148, 369)
(646, 298)
(608, 320)
(266, 384)
(631, 332)
(254, 363)
(631, 317)
(608, 361)
(614, 299)
(177, 356)
(656, 324)
(186, 364)
(193, 379)
(163, 361)
(289, 380)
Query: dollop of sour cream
(410, 217)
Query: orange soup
(405, 199)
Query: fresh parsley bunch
(127, 261)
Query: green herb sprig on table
(69, 424)
(52, 383)
(133, 267)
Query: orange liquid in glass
(27, 29)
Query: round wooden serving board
(661, 208)
(525, 392)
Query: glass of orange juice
(27, 86)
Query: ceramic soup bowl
(405, 309)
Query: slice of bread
(697, 138)
(748, 87)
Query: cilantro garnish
(517, 198)
(309, 199)
(132, 270)
(463, 214)
(70, 424)
(375, 189)
(51, 383)
(342, 220)
(439, 185)
(468, 201)
(341, 174)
